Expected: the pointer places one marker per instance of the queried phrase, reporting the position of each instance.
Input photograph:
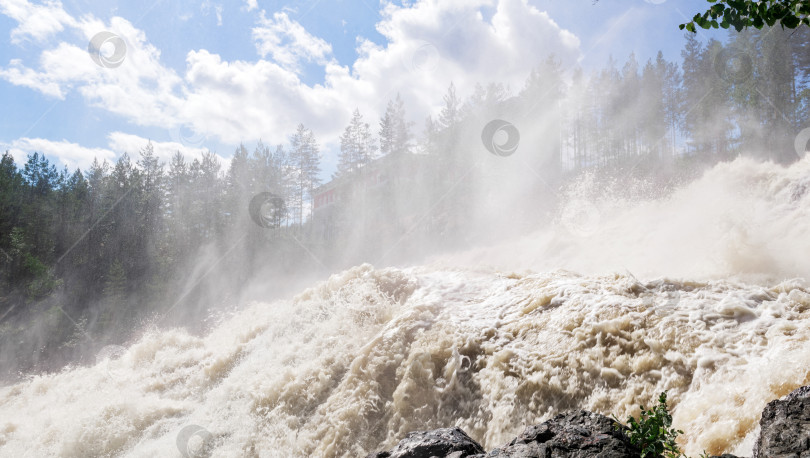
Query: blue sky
(209, 74)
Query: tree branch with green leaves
(746, 13)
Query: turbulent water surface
(702, 294)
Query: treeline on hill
(89, 257)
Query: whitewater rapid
(599, 312)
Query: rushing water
(701, 294)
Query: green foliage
(741, 14)
(652, 432)
(115, 282)
(43, 282)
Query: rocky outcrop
(785, 427)
(785, 433)
(576, 435)
(444, 442)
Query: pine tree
(630, 111)
(450, 114)
(305, 157)
(395, 130)
(115, 283)
(672, 98)
(540, 102)
(430, 137)
(706, 99)
(285, 179)
(177, 209)
(115, 313)
(97, 178)
(11, 203)
(775, 78)
(39, 212)
(483, 102)
(800, 49)
(11, 185)
(72, 206)
(260, 167)
(544, 87)
(209, 192)
(239, 186)
(151, 176)
(357, 147)
(120, 219)
(652, 119)
(577, 121)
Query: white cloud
(206, 8)
(18, 74)
(435, 42)
(67, 153)
(36, 22)
(251, 5)
(133, 144)
(74, 155)
(244, 100)
(288, 43)
(141, 89)
(428, 44)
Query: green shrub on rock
(652, 433)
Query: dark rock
(785, 427)
(573, 435)
(444, 443)
(785, 433)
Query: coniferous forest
(98, 256)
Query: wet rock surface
(576, 435)
(785, 433)
(785, 427)
(444, 442)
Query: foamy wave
(354, 363)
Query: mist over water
(743, 219)
(698, 292)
